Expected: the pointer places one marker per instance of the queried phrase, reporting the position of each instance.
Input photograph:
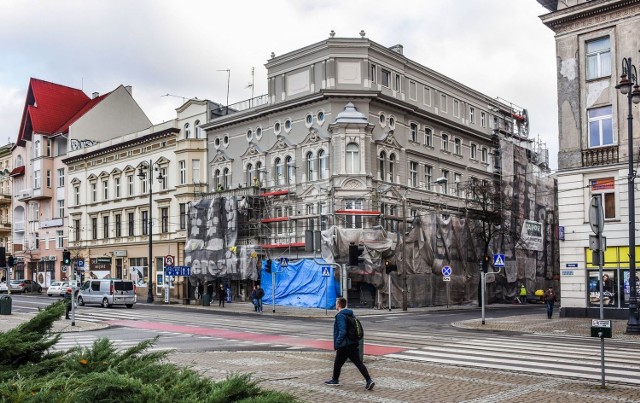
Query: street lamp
(628, 80)
(144, 173)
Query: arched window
(382, 165)
(279, 171)
(196, 124)
(323, 170)
(311, 167)
(249, 175)
(36, 149)
(216, 178)
(187, 130)
(260, 174)
(353, 158)
(392, 166)
(227, 178)
(290, 169)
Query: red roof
(49, 107)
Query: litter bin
(5, 305)
(206, 300)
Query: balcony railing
(600, 156)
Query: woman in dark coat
(222, 295)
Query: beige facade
(6, 196)
(592, 38)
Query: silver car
(24, 286)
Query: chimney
(129, 89)
(397, 48)
(95, 95)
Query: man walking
(346, 348)
(259, 296)
(549, 300)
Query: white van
(108, 292)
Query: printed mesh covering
(211, 249)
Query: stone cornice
(590, 14)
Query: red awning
(17, 171)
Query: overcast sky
(498, 47)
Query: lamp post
(147, 174)
(628, 80)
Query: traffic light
(268, 268)
(389, 267)
(3, 257)
(66, 258)
(10, 261)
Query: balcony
(5, 227)
(24, 194)
(600, 156)
(56, 222)
(42, 193)
(5, 199)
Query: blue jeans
(549, 309)
(259, 304)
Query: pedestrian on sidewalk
(346, 348)
(210, 291)
(254, 300)
(222, 296)
(549, 300)
(259, 296)
(523, 293)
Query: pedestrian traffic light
(268, 268)
(66, 258)
(389, 267)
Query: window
(164, 179)
(76, 195)
(48, 178)
(382, 165)
(397, 83)
(372, 73)
(130, 224)
(76, 229)
(48, 148)
(600, 127)
(105, 190)
(61, 177)
(164, 214)
(605, 187)
(217, 179)
(94, 228)
(484, 154)
(117, 187)
(392, 167)
(483, 119)
(290, 169)
(118, 225)
(196, 124)
(385, 76)
(598, 58)
(457, 179)
(413, 173)
(61, 208)
(187, 131)
(428, 176)
(428, 137)
(474, 152)
(145, 223)
(195, 171)
(456, 108)
(353, 158)
(426, 96)
(457, 146)
(445, 183)
(226, 178)
(311, 167)
(443, 103)
(413, 132)
(130, 185)
(105, 227)
(37, 149)
(183, 171)
(249, 178)
(261, 174)
(279, 171)
(183, 215)
(59, 239)
(143, 183)
(323, 170)
(472, 114)
(445, 142)
(94, 192)
(36, 179)
(352, 220)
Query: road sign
(596, 215)
(169, 260)
(446, 278)
(80, 263)
(498, 260)
(284, 262)
(446, 271)
(326, 271)
(177, 271)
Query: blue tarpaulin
(300, 284)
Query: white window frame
(600, 120)
(444, 146)
(183, 171)
(60, 177)
(413, 132)
(413, 173)
(385, 73)
(472, 114)
(428, 176)
(428, 137)
(600, 58)
(352, 153)
(426, 96)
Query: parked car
(3, 287)
(57, 288)
(108, 292)
(24, 286)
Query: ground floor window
(615, 278)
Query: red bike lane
(369, 349)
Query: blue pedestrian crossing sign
(498, 260)
(326, 271)
(284, 262)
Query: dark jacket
(259, 293)
(340, 339)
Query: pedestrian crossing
(577, 357)
(97, 315)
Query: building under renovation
(357, 146)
